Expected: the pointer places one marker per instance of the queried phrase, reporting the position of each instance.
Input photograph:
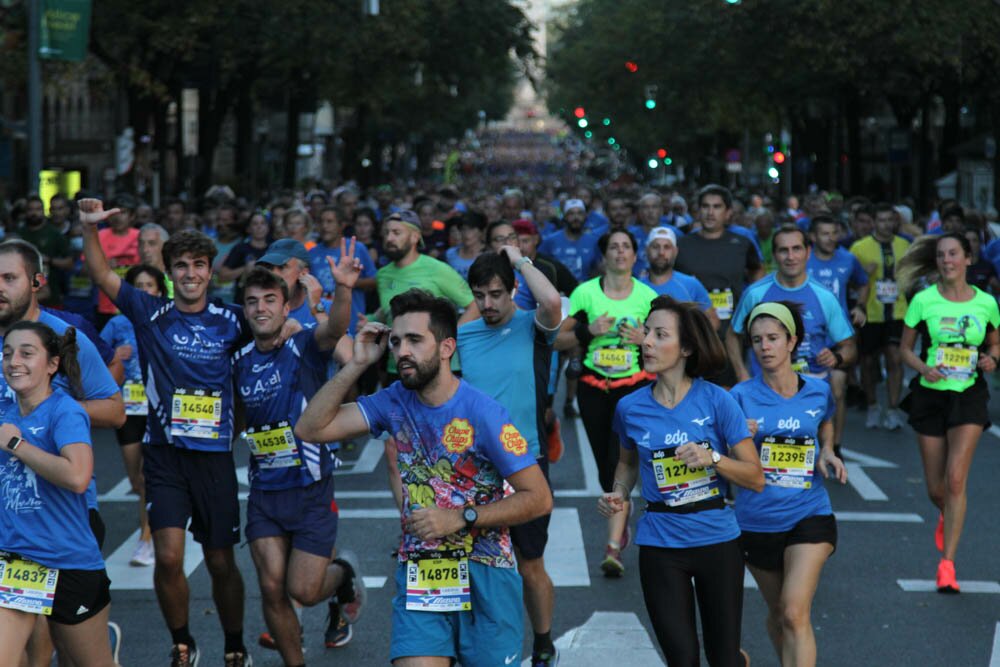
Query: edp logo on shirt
(792, 424)
(678, 437)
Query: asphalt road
(862, 614)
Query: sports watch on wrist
(319, 309)
(14, 443)
(521, 262)
(716, 457)
(471, 516)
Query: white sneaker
(893, 421)
(143, 555)
(874, 419)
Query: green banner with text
(65, 28)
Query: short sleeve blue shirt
(779, 506)
(825, 320)
(580, 256)
(836, 273)
(117, 332)
(683, 287)
(185, 354)
(450, 455)
(42, 521)
(707, 414)
(274, 387)
(523, 351)
(320, 268)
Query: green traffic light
(582, 122)
(653, 163)
(650, 104)
(611, 141)
(668, 161)
(588, 134)
(606, 121)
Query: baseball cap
(409, 218)
(574, 203)
(282, 250)
(664, 233)
(523, 226)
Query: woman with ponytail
(49, 552)
(947, 405)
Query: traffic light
(631, 66)
(582, 122)
(606, 122)
(653, 163)
(661, 153)
(579, 112)
(778, 157)
(651, 97)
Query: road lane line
(930, 586)
(995, 430)
(862, 483)
(607, 638)
(592, 480)
(995, 654)
(565, 556)
(895, 517)
(366, 461)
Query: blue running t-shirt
(274, 387)
(682, 287)
(456, 453)
(793, 489)
(320, 268)
(707, 414)
(186, 367)
(825, 320)
(42, 521)
(510, 363)
(836, 273)
(580, 256)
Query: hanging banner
(65, 29)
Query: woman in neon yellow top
(947, 404)
(606, 316)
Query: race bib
(788, 462)
(610, 360)
(800, 365)
(722, 301)
(439, 583)
(196, 413)
(273, 446)
(26, 585)
(886, 291)
(957, 361)
(679, 484)
(134, 395)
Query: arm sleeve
(838, 325)
(70, 426)
(732, 423)
(914, 311)
(502, 443)
(452, 286)
(94, 374)
(746, 303)
(858, 274)
(135, 304)
(831, 405)
(698, 293)
(619, 428)
(373, 408)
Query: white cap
(574, 203)
(664, 233)
(905, 213)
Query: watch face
(470, 515)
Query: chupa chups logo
(457, 436)
(512, 440)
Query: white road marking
(565, 556)
(592, 481)
(866, 460)
(880, 517)
(995, 654)
(374, 582)
(930, 586)
(607, 638)
(748, 580)
(995, 430)
(862, 483)
(366, 461)
(125, 577)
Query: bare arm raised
(91, 213)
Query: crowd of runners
(711, 344)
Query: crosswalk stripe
(565, 557)
(125, 577)
(930, 586)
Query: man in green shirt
(55, 248)
(401, 243)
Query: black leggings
(666, 576)
(597, 410)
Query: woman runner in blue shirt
(51, 564)
(789, 530)
(686, 439)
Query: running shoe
(892, 421)
(939, 533)
(351, 594)
(115, 638)
(612, 565)
(874, 419)
(183, 655)
(143, 555)
(546, 658)
(238, 659)
(554, 442)
(338, 631)
(946, 581)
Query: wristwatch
(716, 457)
(521, 262)
(319, 309)
(14, 443)
(471, 516)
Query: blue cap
(282, 250)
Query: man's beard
(398, 253)
(660, 266)
(15, 312)
(424, 374)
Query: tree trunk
(212, 109)
(244, 153)
(291, 139)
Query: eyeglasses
(510, 239)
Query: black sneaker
(545, 658)
(338, 631)
(183, 655)
(238, 659)
(352, 594)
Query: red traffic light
(632, 66)
(778, 157)
(661, 153)
(579, 112)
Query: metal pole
(34, 96)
